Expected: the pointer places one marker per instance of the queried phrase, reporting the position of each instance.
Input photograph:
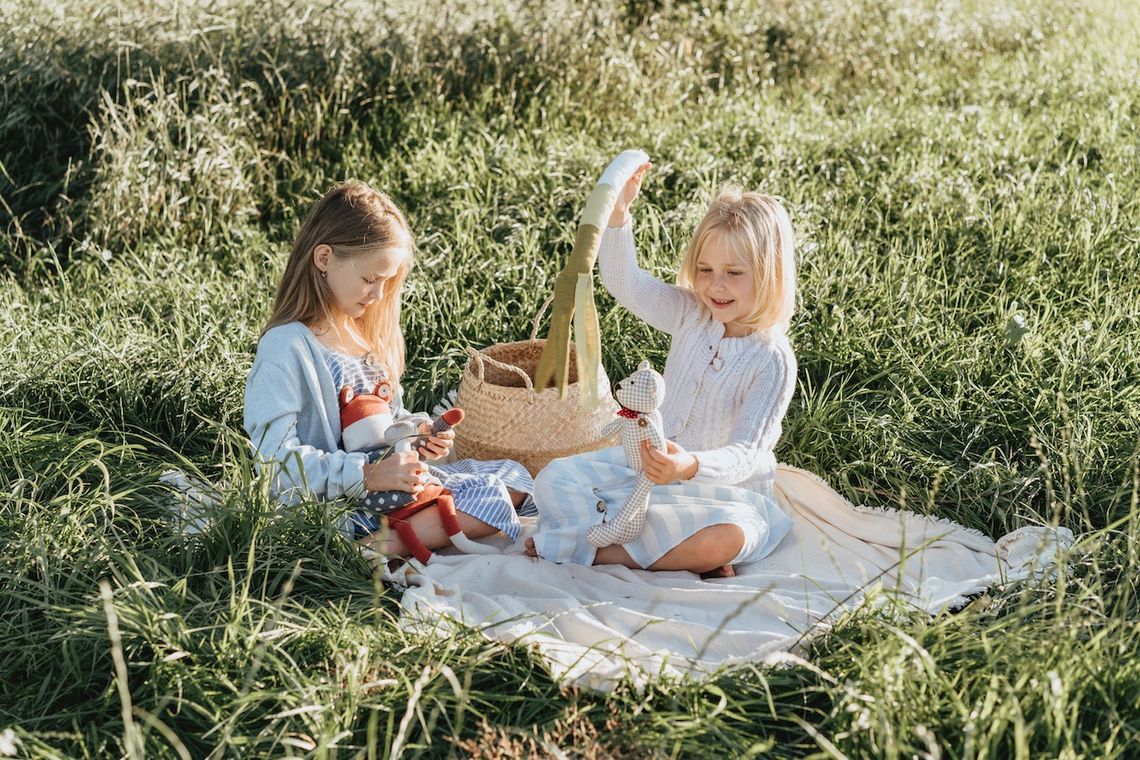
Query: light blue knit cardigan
(293, 421)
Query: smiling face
(741, 264)
(357, 282)
(725, 282)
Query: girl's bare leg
(615, 554)
(708, 551)
(429, 527)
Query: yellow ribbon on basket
(574, 290)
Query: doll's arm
(403, 434)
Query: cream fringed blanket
(597, 625)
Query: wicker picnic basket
(507, 419)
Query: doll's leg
(630, 519)
(386, 501)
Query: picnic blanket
(596, 626)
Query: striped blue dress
(579, 491)
(480, 489)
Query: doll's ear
(346, 394)
(644, 364)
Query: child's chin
(720, 315)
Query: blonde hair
(757, 228)
(354, 220)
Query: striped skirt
(480, 489)
(579, 491)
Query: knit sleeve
(758, 424)
(274, 397)
(661, 306)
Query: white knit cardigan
(725, 398)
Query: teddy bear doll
(639, 420)
(367, 425)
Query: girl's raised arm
(661, 306)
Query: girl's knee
(721, 543)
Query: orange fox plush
(367, 425)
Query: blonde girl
(729, 378)
(336, 323)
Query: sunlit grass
(963, 178)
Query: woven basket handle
(538, 317)
(478, 358)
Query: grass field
(964, 180)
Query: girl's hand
(437, 445)
(667, 466)
(402, 471)
(620, 214)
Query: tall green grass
(963, 180)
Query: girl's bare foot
(724, 571)
(530, 550)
